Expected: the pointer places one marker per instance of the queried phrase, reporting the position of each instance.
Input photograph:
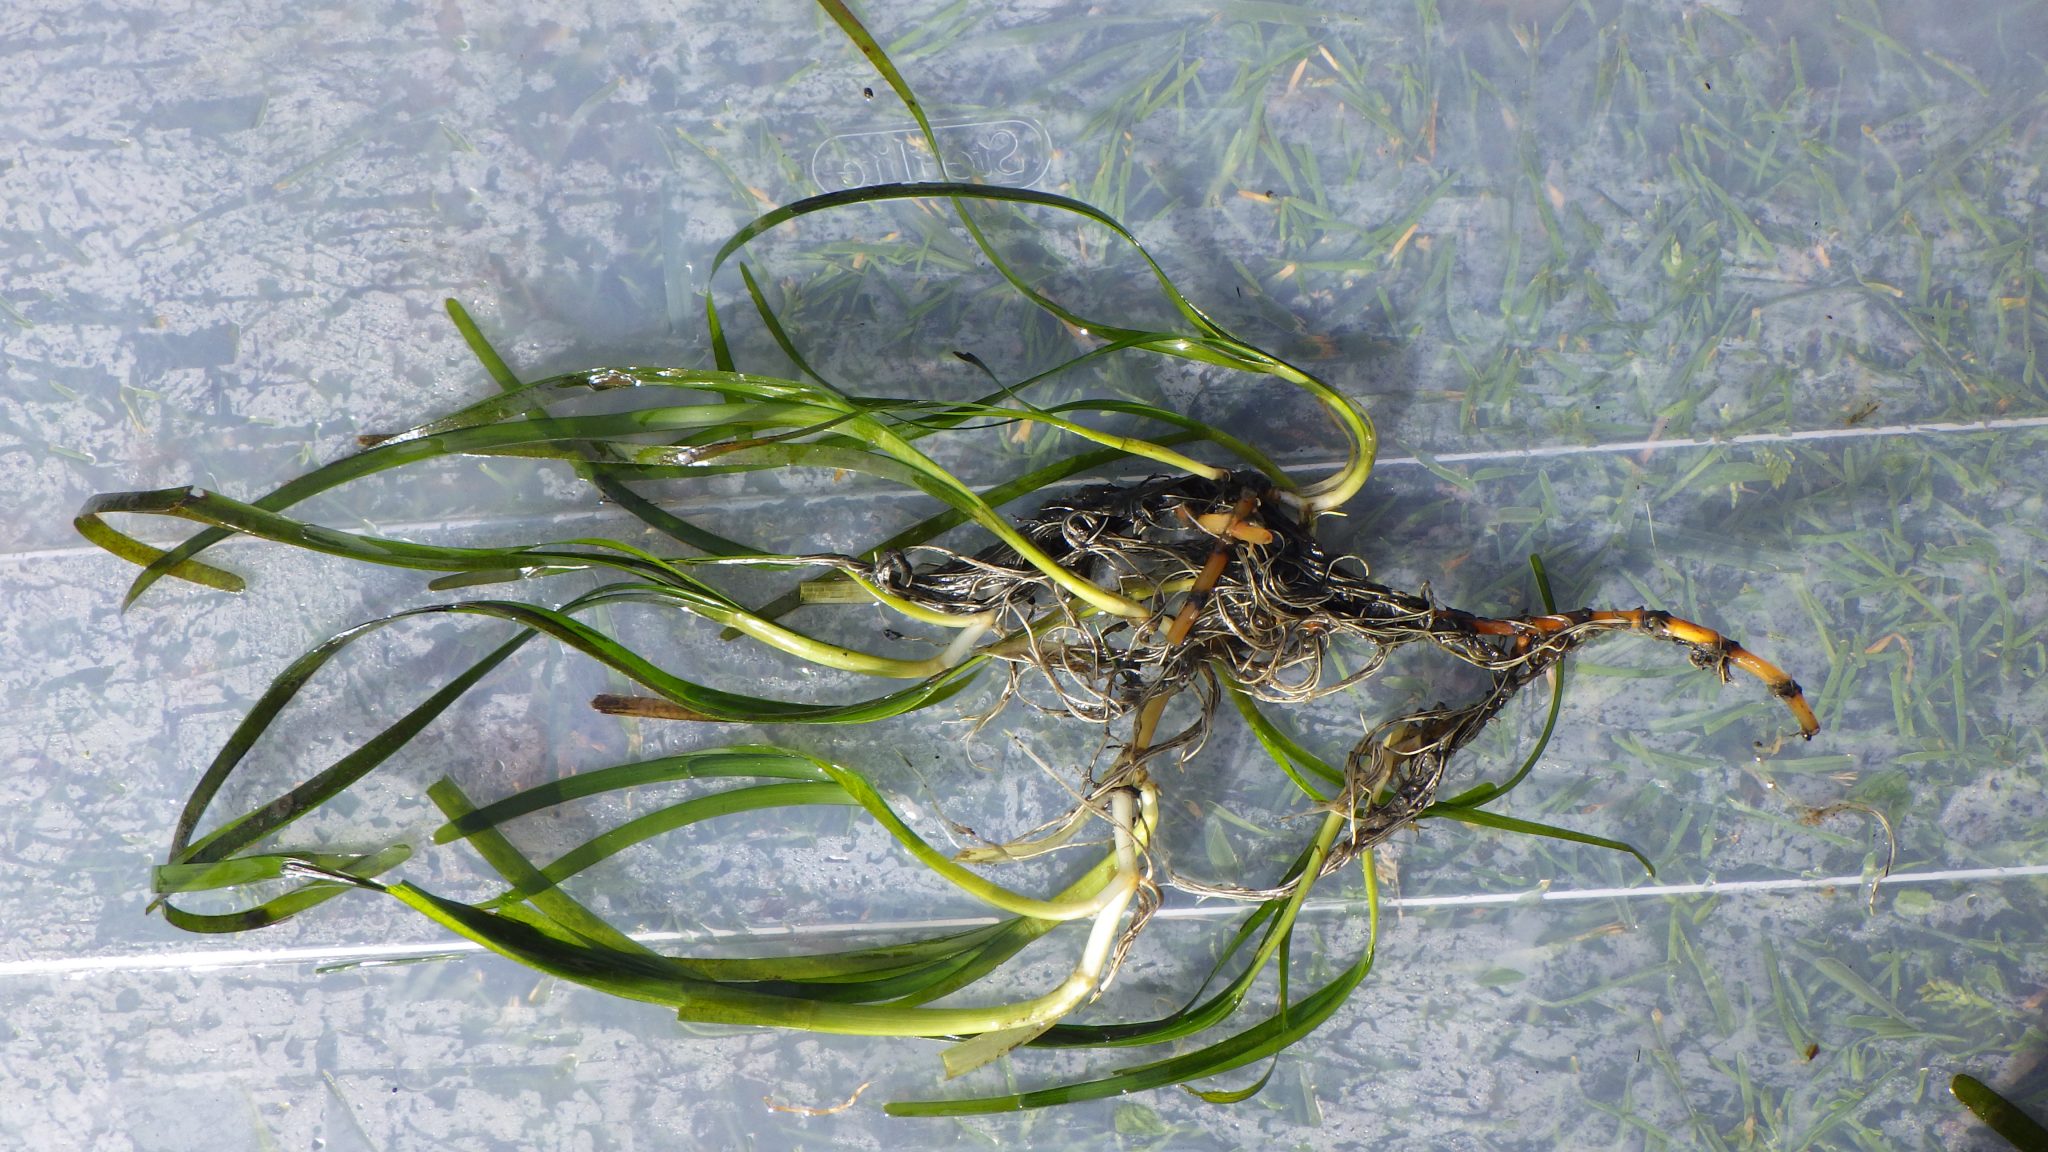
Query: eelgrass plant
(1105, 605)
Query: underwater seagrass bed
(1146, 609)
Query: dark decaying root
(1245, 592)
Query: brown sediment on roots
(1710, 650)
(1244, 591)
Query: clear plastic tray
(1727, 309)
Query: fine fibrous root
(1241, 589)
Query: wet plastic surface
(1727, 310)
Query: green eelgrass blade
(480, 347)
(1240, 1095)
(516, 407)
(942, 522)
(673, 586)
(290, 903)
(229, 516)
(937, 482)
(1138, 340)
(700, 700)
(1486, 819)
(1130, 445)
(864, 425)
(873, 972)
(895, 974)
(539, 943)
(669, 818)
(775, 329)
(1210, 343)
(1013, 936)
(98, 531)
(483, 576)
(634, 974)
(1284, 750)
(483, 424)
(753, 454)
(1255, 1043)
(581, 438)
(513, 865)
(263, 915)
(2019, 1129)
(240, 870)
(252, 826)
(914, 972)
(576, 439)
(1243, 449)
(868, 973)
(1042, 477)
(872, 49)
(661, 519)
(988, 892)
(757, 761)
(542, 944)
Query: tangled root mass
(1246, 593)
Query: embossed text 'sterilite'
(1014, 153)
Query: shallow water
(1729, 309)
